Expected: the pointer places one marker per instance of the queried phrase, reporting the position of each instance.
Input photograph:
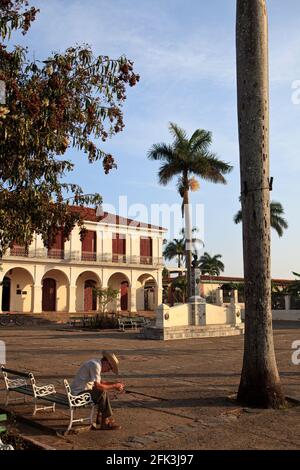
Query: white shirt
(89, 372)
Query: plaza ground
(178, 392)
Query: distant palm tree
(176, 247)
(211, 265)
(173, 249)
(184, 158)
(278, 223)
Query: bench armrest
(44, 390)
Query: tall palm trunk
(188, 240)
(260, 383)
(179, 261)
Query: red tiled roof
(205, 277)
(89, 214)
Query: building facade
(116, 252)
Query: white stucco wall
(216, 315)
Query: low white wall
(289, 315)
(216, 315)
(179, 315)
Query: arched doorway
(146, 297)
(17, 291)
(49, 295)
(90, 297)
(119, 282)
(6, 294)
(124, 296)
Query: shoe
(108, 424)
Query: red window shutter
(58, 243)
(89, 242)
(115, 243)
(146, 246)
(122, 245)
(119, 244)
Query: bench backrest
(77, 400)
(14, 382)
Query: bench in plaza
(25, 383)
(132, 322)
(125, 322)
(83, 321)
(139, 322)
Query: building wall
(71, 272)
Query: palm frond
(161, 152)
(167, 171)
(178, 133)
(200, 141)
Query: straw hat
(113, 361)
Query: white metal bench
(19, 384)
(124, 323)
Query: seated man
(88, 378)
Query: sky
(184, 52)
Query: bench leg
(71, 420)
(42, 408)
(92, 415)
(7, 397)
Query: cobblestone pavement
(179, 393)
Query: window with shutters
(119, 248)
(57, 248)
(146, 250)
(89, 246)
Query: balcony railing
(116, 258)
(57, 254)
(19, 251)
(146, 259)
(89, 257)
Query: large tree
(277, 221)
(71, 99)
(186, 158)
(260, 382)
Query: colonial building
(116, 252)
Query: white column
(132, 300)
(99, 245)
(37, 299)
(72, 299)
(158, 296)
(287, 301)
(219, 297)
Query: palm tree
(173, 249)
(260, 383)
(211, 265)
(184, 158)
(278, 223)
(176, 247)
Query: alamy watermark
(167, 216)
(296, 353)
(2, 92)
(2, 353)
(296, 92)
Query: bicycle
(8, 319)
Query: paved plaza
(178, 393)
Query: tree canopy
(70, 99)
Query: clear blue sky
(185, 54)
